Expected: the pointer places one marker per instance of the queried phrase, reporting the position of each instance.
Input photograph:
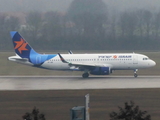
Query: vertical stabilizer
(21, 47)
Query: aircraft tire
(85, 75)
(135, 75)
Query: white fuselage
(114, 61)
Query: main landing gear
(85, 75)
(135, 73)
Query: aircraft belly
(23, 62)
(125, 66)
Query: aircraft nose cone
(153, 63)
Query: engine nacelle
(101, 71)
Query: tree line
(87, 25)
(130, 111)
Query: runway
(76, 82)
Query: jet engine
(101, 71)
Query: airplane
(95, 64)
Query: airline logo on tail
(20, 45)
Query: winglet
(62, 59)
(70, 52)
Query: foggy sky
(62, 5)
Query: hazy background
(62, 5)
(82, 24)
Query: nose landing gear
(135, 73)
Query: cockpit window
(145, 58)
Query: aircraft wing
(83, 65)
(86, 64)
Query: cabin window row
(89, 59)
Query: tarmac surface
(56, 95)
(77, 82)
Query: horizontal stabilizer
(15, 58)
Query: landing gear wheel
(135, 75)
(85, 75)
